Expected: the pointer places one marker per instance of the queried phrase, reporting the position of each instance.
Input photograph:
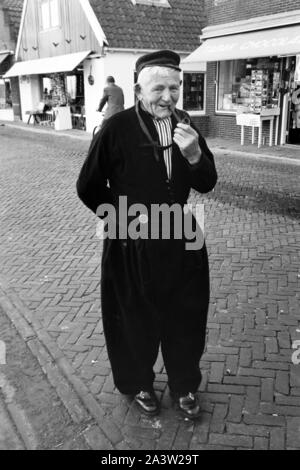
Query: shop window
(248, 85)
(49, 14)
(193, 91)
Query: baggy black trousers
(154, 293)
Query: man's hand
(187, 140)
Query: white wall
(121, 65)
(7, 114)
(30, 93)
(93, 93)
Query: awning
(61, 63)
(265, 43)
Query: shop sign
(252, 120)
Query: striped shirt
(164, 130)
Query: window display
(193, 91)
(248, 85)
(62, 90)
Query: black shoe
(188, 405)
(147, 403)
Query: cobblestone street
(50, 291)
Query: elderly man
(155, 292)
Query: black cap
(164, 58)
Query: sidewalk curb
(240, 153)
(99, 433)
(87, 137)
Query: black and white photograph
(149, 227)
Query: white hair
(147, 73)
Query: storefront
(64, 90)
(52, 90)
(256, 74)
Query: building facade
(252, 50)
(67, 48)
(10, 16)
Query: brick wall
(202, 123)
(226, 11)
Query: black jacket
(122, 155)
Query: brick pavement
(50, 259)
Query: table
(35, 115)
(256, 120)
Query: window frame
(220, 111)
(195, 112)
(270, 68)
(52, 25)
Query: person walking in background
(114, 98)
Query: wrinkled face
(159, 90)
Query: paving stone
(277, 439)
(245, 357)
(252, 400)
(216, 373)
(282, 382)
(295, 376)
(235, 409)
(217, 424)
(231, 440)
(267, 390)
(293, 433)
(50, 258)
(261, 443)
(248, 429)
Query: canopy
(61, 63)
(265, 43)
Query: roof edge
(21, 28)
(253, 24)
(138, 50)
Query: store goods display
(193, 91)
